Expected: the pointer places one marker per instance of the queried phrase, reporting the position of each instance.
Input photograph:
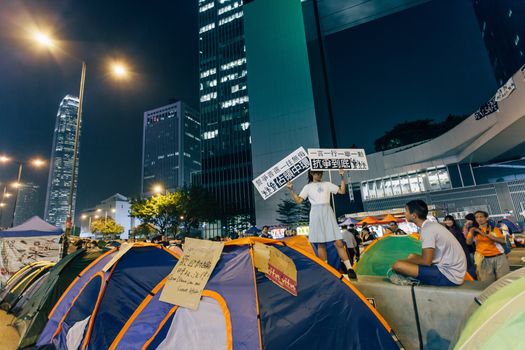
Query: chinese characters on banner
(276, 266)
(275, 178)
(334, 159)
(189, 277)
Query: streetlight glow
(43, 39)
(38, 162)
(119, 70)
(84, 216)
(15, 184)
(99, 210)
(2, 204)
(4, 159)
(158, 189)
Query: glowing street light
(84, 216)
(43, 39)
(4, 159)
(119, 70)
(38, 162)
(158, 189)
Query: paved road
(8, 335)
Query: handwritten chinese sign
(277, 267)
(275, 178)
(189, 277)
(333, 159)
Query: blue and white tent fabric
(505, 91)
(488, 108)
(31, 241)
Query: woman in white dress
(323, 225)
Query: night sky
(423, 63)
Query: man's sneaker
(401, 280)
(351, 274)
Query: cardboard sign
(189, 277)
(275, 178)
(334, 159)
(122, 250)
(277, 267)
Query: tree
(292, 214)
(160, 210)
(196, 205)
(106, 226)
(143, 230)
(187, 207)
(406, 133)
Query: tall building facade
(226, 144)
(171, 147)
(502, 24)
(27, 203)
(61, 165)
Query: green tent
(379, 257)
(32, 317)
(18, 288)
(499, 322)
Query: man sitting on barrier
(442, 262)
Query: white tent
(31, 241)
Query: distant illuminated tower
(226, 144)
(171, 147)
(27, 204)
(61, 166)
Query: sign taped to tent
(337, 158)
(277, 267)
(275, 178)
(189, 277)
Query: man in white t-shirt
(443, 261)
(350, 241)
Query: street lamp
(119, 71)
(158, 189)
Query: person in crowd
(367, 236)
(323, 224)
(442, 262)
(358, 240)
(491, 262)
(452, 226)
(351, 243)
(265, 233)
(470, 221)
(393, 229)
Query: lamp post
(119, 71)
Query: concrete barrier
(423, 317)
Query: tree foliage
(185, 208)
(106, 226)
(292, 214)
(407, 133)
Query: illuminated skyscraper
(61, 165)
(27, 204)
(171, 147)
(226, 143)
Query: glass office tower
(171, 147)
(502, 24)
(61, 165)
(226, 143)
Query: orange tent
(389, 218)
(370, 220)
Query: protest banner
(277, 267)
(333, 159)
(275, 178)
(189, 277)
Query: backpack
(507, 246)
